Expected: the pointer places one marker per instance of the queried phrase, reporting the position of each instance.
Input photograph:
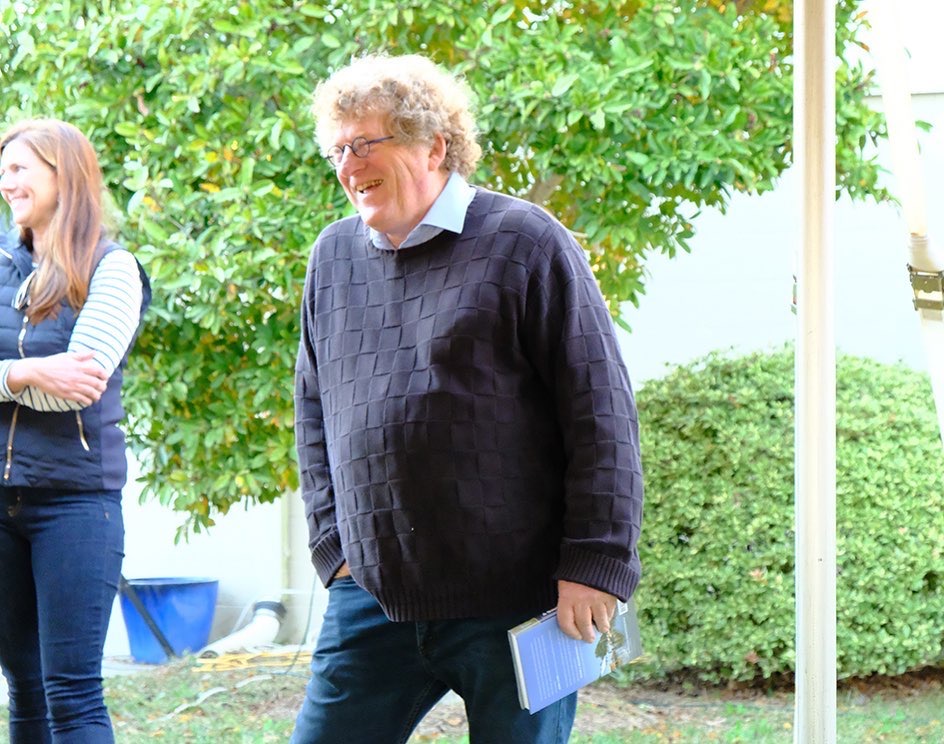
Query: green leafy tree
(624, 119)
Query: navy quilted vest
(81, 450)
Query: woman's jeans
(373, 680)
(60, 561)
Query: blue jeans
(60, 560)
(373, 680)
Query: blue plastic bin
(181, 607)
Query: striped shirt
(105, 326)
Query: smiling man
(466, 429)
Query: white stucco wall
(734, 290)
(256, 554)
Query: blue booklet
(550, 664)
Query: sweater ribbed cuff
(327, 556)
(598, 571)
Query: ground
(608, 707)
(603, 707)
(236, 692)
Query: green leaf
(563, 84)
(127, 129)
(506, 11)
(137, 176)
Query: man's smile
(363, 188)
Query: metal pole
(815, 155)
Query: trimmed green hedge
(717, 597)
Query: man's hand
(70, 375)
(580, 607)
(342, 572)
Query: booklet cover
(550, 664)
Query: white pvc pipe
(890, 57)
(932, 334)
(815, 436)
(890, 66)
(926, 258)
(261, 630)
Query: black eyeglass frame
(360, 146)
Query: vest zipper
(9, 462)
(21, 337)
(78, 418)
(16, 411)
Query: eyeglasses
(360, 147)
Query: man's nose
(349, 162)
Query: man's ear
(437, 152)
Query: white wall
(734, 290)
(255, 553)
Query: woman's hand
(72, 376)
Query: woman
(70, 304)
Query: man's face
(394, 186)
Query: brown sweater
(465, 426)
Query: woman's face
(28, 185)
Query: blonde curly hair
(416, 97)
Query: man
(466, 430)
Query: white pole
(814, 125)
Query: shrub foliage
(717, 596)
(623, 118)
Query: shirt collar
(447, 213)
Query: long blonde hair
(73, 241)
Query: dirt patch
(601, 707)
(923, 681)
(605, 706)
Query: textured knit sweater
(466, 429)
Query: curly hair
(416, 97)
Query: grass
(255, 701)
(204, 703)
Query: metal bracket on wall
(928, 288)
